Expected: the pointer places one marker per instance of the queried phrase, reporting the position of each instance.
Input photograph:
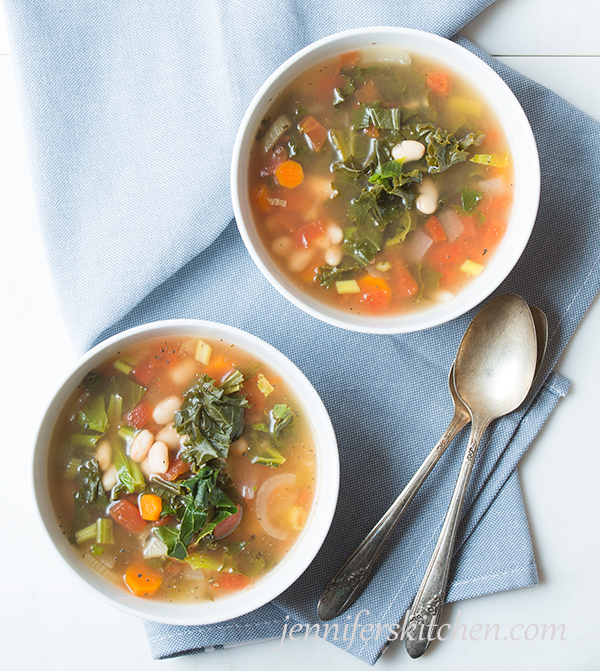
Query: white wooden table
(47, 622)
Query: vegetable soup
(380, 182)
(182, 468)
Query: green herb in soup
(380, 182)
(182, 469)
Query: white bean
(335, 233)
(426, 204)
(109, 478)
(428, 199)
(333, 256)
(165, 411)
(282, 246)
(169, 436)
(409, 150)
(158, 458)
(140, 445)
(104, 454)
(239, 446)
(298, 261)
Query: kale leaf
(211, 417)
(199, 504)
(91, 493)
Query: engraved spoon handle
(351, 578)
(429, 602)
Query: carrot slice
(231, 582)
(142, 580)
(438, 82)
(289, 174)
(150, 507)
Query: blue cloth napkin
(131, 111)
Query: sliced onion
(419, 243)
(492, 186)
(262, 503)
(451, 223)
(280, 125)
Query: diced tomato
(228, 525)
(438, 82)
(325, 85)
(307, 235)
(139, 416)
(274, 160)
(469, 226)
(435, 229)
(371, 131)
(231, 582)
(375, 293)
(447, 254)
(177, 467)
(348, 59)
(314, 131)
(404, 283)
(126, 514)
(153, 365)
(163, 521)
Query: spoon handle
(353, 575)
(429, 602)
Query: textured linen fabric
(131, 111)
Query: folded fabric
(131, 110)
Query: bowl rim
(526, 173)
(306, 546)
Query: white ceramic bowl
(521, 144)
(306, 546)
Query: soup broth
(380, 182)
(182, 469)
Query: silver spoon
(494, 369)
(353, 575)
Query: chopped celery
(199, 560)
(270, 457)
(86, 534)
(84, 440)
(472, 268)
(264, 385)
(100, 568)
(203, 352)
(129, 474)
(115, 410)
(123, 366)
(93, 416)
(495, 160)
(72, 468)
(96, 550)
(347, 287)
(104, 531)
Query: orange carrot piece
(375, 292)
(289, 174)
(150, 507)
(141, 580)
(438, 82)
(262, 195)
